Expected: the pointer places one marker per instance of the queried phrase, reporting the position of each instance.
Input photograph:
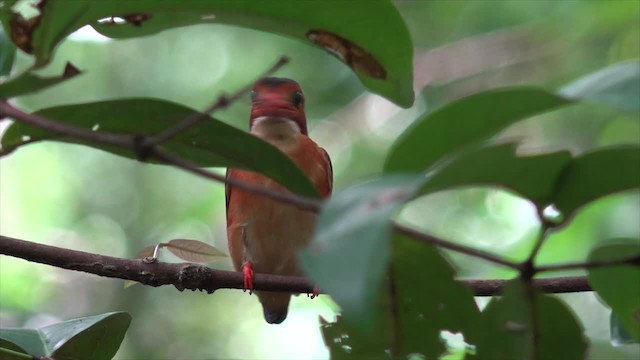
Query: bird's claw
(247, 272)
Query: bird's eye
(253, 95)
(297, 99)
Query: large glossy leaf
(618, 285)
(29, 340)
(93, 337)
(346, 343)
(211, 143)
(617, 85)
(428, 300)
(7, 53)
(97, 337)
(596, 174)
(350, 251)
(409, 315)
(509, 325)
(531, 176)
(465, 122)
(358, 32)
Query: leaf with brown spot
(137, 19)
(351, 54)
(21, 31)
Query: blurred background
(85, 199)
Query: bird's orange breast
(269, 233)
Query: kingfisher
(265, 235)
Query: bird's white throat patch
(275, 128)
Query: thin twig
(527, 271)
(102, 137)
(222, 102)
(425, 238)
(199, 277)
(301, 202)
(313, 205)
(630, 260)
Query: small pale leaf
(194, 250)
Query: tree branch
(199, 277)
(432, 240)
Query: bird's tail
(275, 305)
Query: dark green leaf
(93, 337)
(408, 317)
(359, 31)
(619, 335)
(465, 122)
(597, 174)
(428, 300)
(349, 253)
(561, 334)
(27, 82)
(345, 342)
(6, 344)
(97, 337)
(7, 53)
(508, 326)
(211, 143)
(532, 177)
(617, 85)
(618, 285)
(30, 340)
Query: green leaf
(429, 300)
(408, 317)
(96, 337)
(345, 343)
(465, 122)
(29, 340)
(508, 326)
(350, 250)
(617, 85)
(532, 177)
(357, 32)
(618, 285)
(596, 174)
(7, 53)
(211, 143)
(6, 344)
(93, 337)
(619, 336)
(27, 82)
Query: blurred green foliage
(76, 197)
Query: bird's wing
(329, 173)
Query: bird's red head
(278, 98)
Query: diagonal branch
(101, 137)
(199, 277)
(222, 102)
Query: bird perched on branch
(264, 235)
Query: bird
(264, 235)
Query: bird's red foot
(315, 293)
(247, 271)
